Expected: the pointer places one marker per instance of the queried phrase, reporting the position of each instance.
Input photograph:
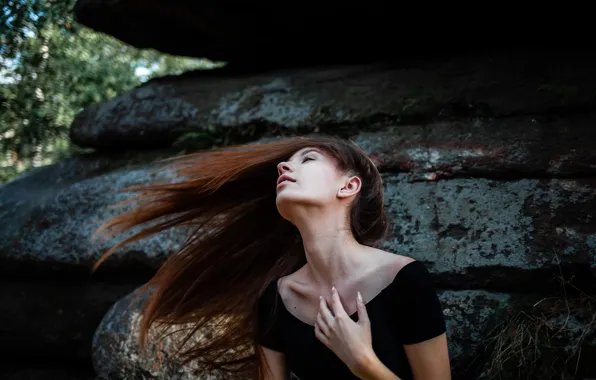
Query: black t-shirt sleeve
(418, 305)
(269, 329)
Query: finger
(322, 324)
(325, 312)
(337, 307)
(362, 313)
(320, 336)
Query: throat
(335, 265)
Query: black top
(407, 311)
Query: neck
(330, 248)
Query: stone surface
(472, 232)
(50, 322)
(498, 148)
(49, 224)
(505, 235)
(469, 314)
(342, 99)
(78, 168)
(269, 34)
(116, 353)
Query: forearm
(371, 368)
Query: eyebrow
(310, 150)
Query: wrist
(370, 367)
(365, 365)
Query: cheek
(324, 181)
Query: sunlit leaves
(51, 68)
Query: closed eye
(307, 159)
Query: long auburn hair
(238, 242)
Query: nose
(283, 167)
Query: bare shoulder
(294, 282)
(391, 260)
(296, 276)
(282, 283)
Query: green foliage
(51, 68)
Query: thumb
(362, 314)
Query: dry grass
(535, 345)
(542, 340)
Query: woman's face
(309, 177)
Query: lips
(285, 177)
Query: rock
(496, 148)
(49, 224)
(267, 34)
(116, 353)
(468, 315)
(472, 232)
(51, 322)
(501, 235)
(78, 168)
(341, 100)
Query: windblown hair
(238, 243)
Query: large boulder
(537, 146)
(117, 354)
(473, 232)
(51, 305)
(51, 214)
(343, 99)
(492, 234)
(267, 34)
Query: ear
(350, 187)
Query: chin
(289, 198)
(287, 203)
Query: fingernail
(333, 288)
(320, 298)
(360, 297)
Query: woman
(281, 247)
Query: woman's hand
(350, 341)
